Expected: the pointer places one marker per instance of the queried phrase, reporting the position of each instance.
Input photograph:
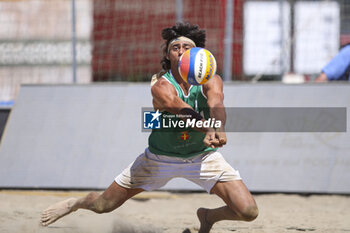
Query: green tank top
(176, 141)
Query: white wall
(83, 136)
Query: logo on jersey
(151, 119)
(185, 136)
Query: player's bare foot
(57, 211)
(202, 216)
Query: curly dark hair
(181, 29)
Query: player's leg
(113, 197)
(240, 205)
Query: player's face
(176, 50)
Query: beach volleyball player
(192, 154)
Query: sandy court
(174, 213)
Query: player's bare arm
(165, 98)
(214, 92)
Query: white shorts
(150, 171)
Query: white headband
(181, 38)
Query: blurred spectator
(338, 68)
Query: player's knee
(249, 213)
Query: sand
(175, 213)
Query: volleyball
(197, 66)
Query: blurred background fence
(84, 41)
